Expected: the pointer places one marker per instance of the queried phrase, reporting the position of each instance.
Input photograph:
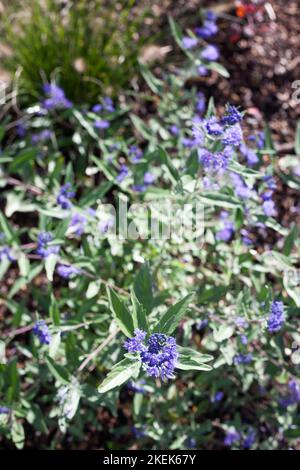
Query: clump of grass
(89, 47)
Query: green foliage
(90, 47)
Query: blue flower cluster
(209, 27)
(4, 410)
(42, 136)
(6, 253)
(56, 98)
(276, 317)
(242, 358)
(234, 437)
(65, 194)
(41, 330)
(226, 133)
(66, 271)
(293, 395)
(159, 354)
(106, 106)
(227, 231)
(43, 249)
(218, 396)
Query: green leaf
(184, 363)
(153, 83)
(290, 240)
(85, 123)
(13, 381)
(139, 313)
(50, 263)
(17, 434)
(141, 127)
(122, 314)
(211, 109)
(6, 228)
(24, 264)
(218, 68)
(176, 31)
(23, 157)
(59, 372)
(194, 355)
(143, 287)
(54, 345)
(218, 199)
(244, 171)
(119, 374)
(173, 315)
(223, 332)
(165, 159)
(54, 311)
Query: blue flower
(200, 102)
(210, 53)
(269, 208)
(249, 154)
(97, 108)
(46, 134)
(206, 31)
(232, 115)
(67, 271)
(124, 172)
(4, 410)
(240, 188)
(270, 182)
(233, 135)
(249, 440)
(276, 317)
(41, 330)
(6, 253)
(149, 178)
(227, 231)
(218, 396)
(246, 237)
(242, 358)
(188, 42)
(101, 124)
(210, 15)
(56, 97)
(190, 443)
(108, 104)
(135, 344)
(198, 133)
(174, 129)
(213, 127)
(137, 386)
(43, 249)
(139, 433)
(64, 196)
(244, 339)
(202, 70)
(187, 142)
(135, 153)
(214, 161)
(231, 437)
(293, 395)
(78, 223)
(159, 354)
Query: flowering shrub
(187, 340)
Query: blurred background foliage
(89, 47)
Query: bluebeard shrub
(203, 331)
